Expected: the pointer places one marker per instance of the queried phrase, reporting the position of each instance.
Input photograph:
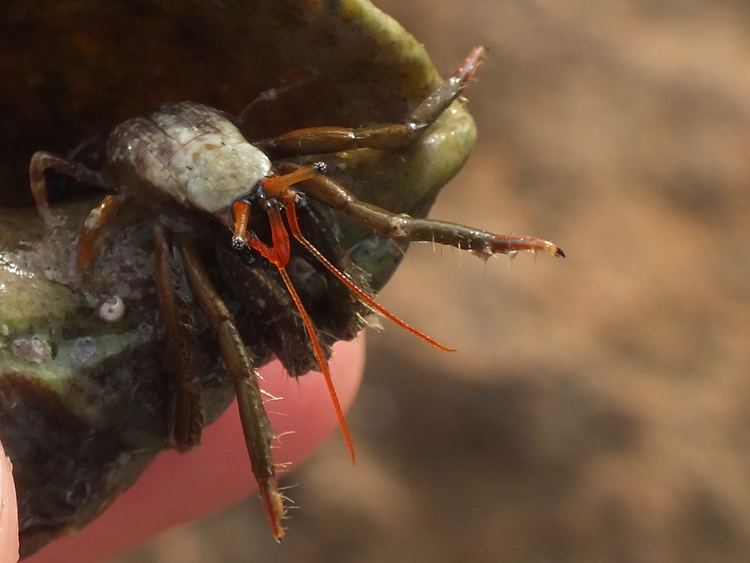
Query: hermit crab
(192, 162)
(90, 391)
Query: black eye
(256, 195)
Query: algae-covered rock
(82, 398)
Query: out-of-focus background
(598, 409)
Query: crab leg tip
(478, 51)
(559, 253)
(273, 506)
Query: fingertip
(8, 511)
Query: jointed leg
(405, 227)
(390, 136)
(41, 161)
(185, 420)
(255, 424)
(92, 235)
(100, 221)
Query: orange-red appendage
(241, 213)
(322, 362)
(278, 255)
(291, 215)
(275, 186)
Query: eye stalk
(241, 217)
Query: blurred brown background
(598, 409)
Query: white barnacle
(112, 309)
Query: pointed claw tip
(559, 253)
(273, 506)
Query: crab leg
(186, 419)
(388, 136)
(93, 233)
(41, 161)
(255, 424)
(404, 227)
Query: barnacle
(82, 399)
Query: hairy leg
(399, 226)
(255, 424)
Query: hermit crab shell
(82, 398)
